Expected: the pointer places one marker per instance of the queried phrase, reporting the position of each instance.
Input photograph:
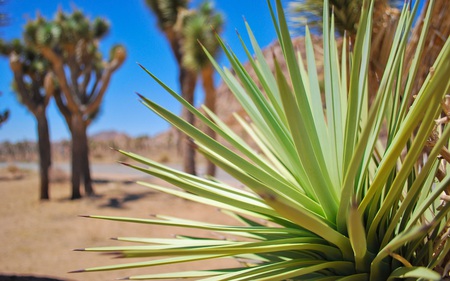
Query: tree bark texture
(385, 20)
(438, 34)
(36, 101)
(210, 103)
(188, 80)
(77, 154)
(85, 165)
(44, 152)
(84, 142)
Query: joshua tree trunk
(77, 129)
(80, 158)
(188, 80)
(210, 103)
(385, 20)
(85, 165)
(44, 152)
(36, 100)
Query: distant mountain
(162, 147)
(109, 135)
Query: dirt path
(37, 238)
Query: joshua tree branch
(98, 75)
(87, 73)
(74, 69)
(58, 69)
(74, 75)
(98, 95)
(63, 108)
(49, 86)
(36, 92)
(174, 42)
(105, 78)
(16, 67)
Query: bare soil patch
(38, 238)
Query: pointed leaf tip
(77, 271)
(124, 163)
(139, 95)
(79, 250)
(119, 256)
(84, 216)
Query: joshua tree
(184, 28)
(70, 43)
(170, 15)
(346, 13)
(34, 87)
(201, 26)
(385, 19)
(346, 18)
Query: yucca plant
(333, 191)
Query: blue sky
(133, 25)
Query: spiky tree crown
(68, 33)
(30, 60)
(31, 68)
(199, 29)
(346, 13)
(167, 11)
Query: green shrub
(338, 201)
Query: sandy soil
(37, 238)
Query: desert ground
(37, 238)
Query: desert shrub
(325, 198)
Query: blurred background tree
(184, 29)
(34, 87)
(70, 42)
(346, 16)
(200, 30)
(385, 18)
(438, 33)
